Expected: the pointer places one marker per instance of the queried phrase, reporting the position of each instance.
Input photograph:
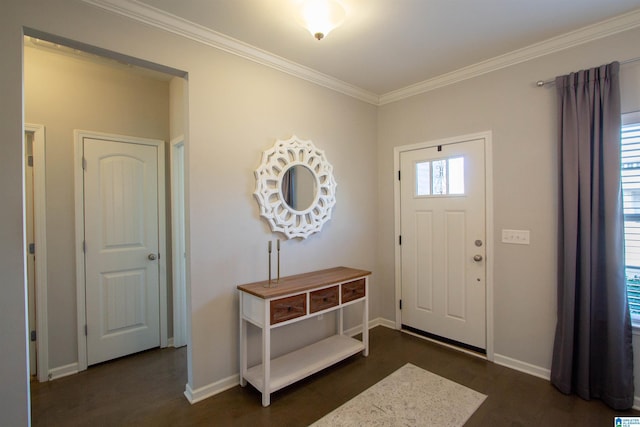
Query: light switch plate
(515, 237)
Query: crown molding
(160, 19)
(149, 15)
(580, 36)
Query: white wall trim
(487, 136)
(583, 35)
(379, 321)
(78, 175)
(160, 19)
(81, 316)
(40, 240)
(178, 241)
(166, 21)
(525, 367)
(63, 371)
(489, 243)
(537, 371)
(195, 396)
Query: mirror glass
(298, 187)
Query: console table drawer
(353, 290)
(283, 309)
(323, 299)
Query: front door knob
(152, 257)
(477, 258)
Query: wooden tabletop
(302, 282)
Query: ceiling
(386, 46)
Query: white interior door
(442, 222)
(121, 248)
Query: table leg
(242, 343)
(266, 357)
(365, 318)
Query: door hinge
(84, 163)
(400, 304)
(84, 246)
(33, 336)
(400, 240)
(30, 161)
(398, 175)
(86, 331)
(32, 248)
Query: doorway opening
(36, 238)
(107, 91)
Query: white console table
(292, 299)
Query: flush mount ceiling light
(322, 16)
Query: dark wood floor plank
(146, 389)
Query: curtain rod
(541, 83)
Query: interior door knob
(477, 258)
(152, 257)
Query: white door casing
(121, 244)
(444, 291)
(40, 241)
(30, 248)
(178, 239)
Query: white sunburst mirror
(295, 188)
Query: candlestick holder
(268, 285)
(278, 247)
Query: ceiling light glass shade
(322, 16)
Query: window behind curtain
(630, 171)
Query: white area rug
(410, 396)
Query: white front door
(121, 248)
(442, 222)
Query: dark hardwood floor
(146, 389)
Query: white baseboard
(195, 396)
(381, 321)
(170, 342)
(372, 324)
(539, 372)
(63, 371)
(525, 367)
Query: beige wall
(522, 118)
(65, 93)
(236, 109)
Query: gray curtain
(592, 354)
